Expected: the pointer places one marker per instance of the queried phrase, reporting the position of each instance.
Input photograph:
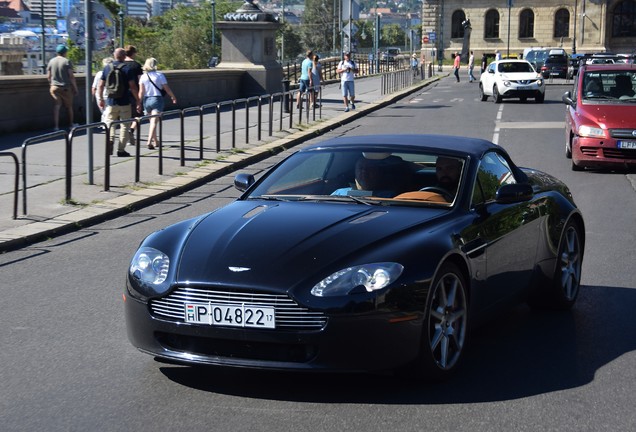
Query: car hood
(249, 242)
(520, 76)
(609, 116)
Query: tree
(317, 29)
(392, 35)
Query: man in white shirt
(347, 70)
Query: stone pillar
(249, 44)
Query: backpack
(116, 82)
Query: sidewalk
(48, 215)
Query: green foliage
(181, 38)
(317, 29)
(293, 41)
(392, 35)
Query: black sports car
(357, 254)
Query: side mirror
(243, 181)
(514, 193)
(492, 71)
(567, 98)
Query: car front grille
(619, 153)
(524, 82)
(289, 315)
(623, 133)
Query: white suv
(511, 79)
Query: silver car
(508, 78)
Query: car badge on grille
(239, 269)
(634, 133)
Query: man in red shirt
(456, 65)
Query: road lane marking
(531, 125)
(495, 135)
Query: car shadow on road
(518, 354)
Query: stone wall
(25, 103)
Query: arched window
(457, 29)
(562, 23)
(526, 24)
(492, 24)
(624, 19)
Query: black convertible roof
(442, 144)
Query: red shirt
(457, 60)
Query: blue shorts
(153, 103)
(304, 85)
(348, 88)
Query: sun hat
(61, 49)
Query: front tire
(568, 150)
(445, 328)
(482, 95)
(496, 97)
(540, 98)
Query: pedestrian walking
(135, 68)
(63, 86)
(471, 67)
(497, 55)
(484, 62)
(121, 86)
(347, 69)
(456, 64)
(153, 86)
(316, 76)
(414, 64)
(98, 77)
(305, 81)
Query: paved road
(68, 366)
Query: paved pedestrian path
(48, 214)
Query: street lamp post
(213, 25)
(574, 33)
(120, 14)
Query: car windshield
(373, 177)
(609, 86)
(511, 67)
(537, 55)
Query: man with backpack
(121, 85)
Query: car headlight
(148, 273)
(592, 132)
(506, 83)
(539, 82)
(370, 276)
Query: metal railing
(285, 100)
(16, 183)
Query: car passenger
(379, 175)
(623, 86)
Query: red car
(600, 117)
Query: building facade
(575, 25)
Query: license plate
(524, 88)
(554, 73)
(238, 315)
(627, 144)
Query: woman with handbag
(152, 88)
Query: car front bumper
(601, 153)
(367, 341)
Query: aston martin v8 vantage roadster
(358, 254)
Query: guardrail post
(233, 124)
(218, 127)
(16, 182)
(260, 118)
(285, 95)
(247, 121)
